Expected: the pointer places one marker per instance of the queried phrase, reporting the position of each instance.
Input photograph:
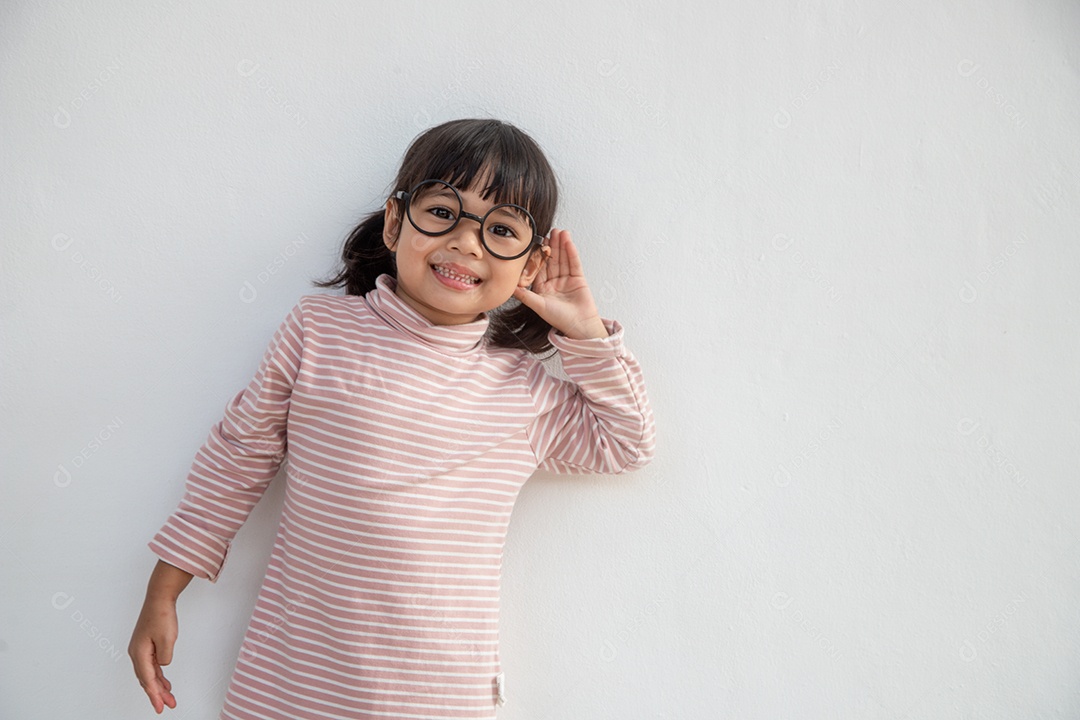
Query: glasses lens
(508, 231)
(434, 207)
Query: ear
(391, 223)
(537, 259)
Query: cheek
(511, 277)
(420, 243)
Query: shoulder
(328, 301)
(329, 309)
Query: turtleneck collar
(455, 339)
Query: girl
(411, 409)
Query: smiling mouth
(456, 277)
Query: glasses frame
(406, 196)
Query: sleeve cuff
(187, 547)
(611, 346)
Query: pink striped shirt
(407, 443)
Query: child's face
(446, 301)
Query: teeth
(450, 274)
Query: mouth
(454, 279)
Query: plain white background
(842, 241)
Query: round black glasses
(434, 207)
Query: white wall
(842, 241)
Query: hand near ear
(560, 294)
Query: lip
(455, 285)
(459, 269)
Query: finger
(541, 274)
(558, 253)
(163, 652)
(528, 298)
(158, 697)
(151, 690)
(551, 255)
(567, 247)
(166, 693)
(573, 260)
(146, 671)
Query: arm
(166, 583)
(234, 466)
(598, 421)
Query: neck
(436, 316)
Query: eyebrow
(512, 211)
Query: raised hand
(560, 294)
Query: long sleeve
(599, 420)
(233, 468)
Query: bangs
(492, 175)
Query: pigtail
(516, 325)
(364, 256)
(520, 327)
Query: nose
(465, 238)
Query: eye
(443, 213)
(503, 231)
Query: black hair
(459, 152)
